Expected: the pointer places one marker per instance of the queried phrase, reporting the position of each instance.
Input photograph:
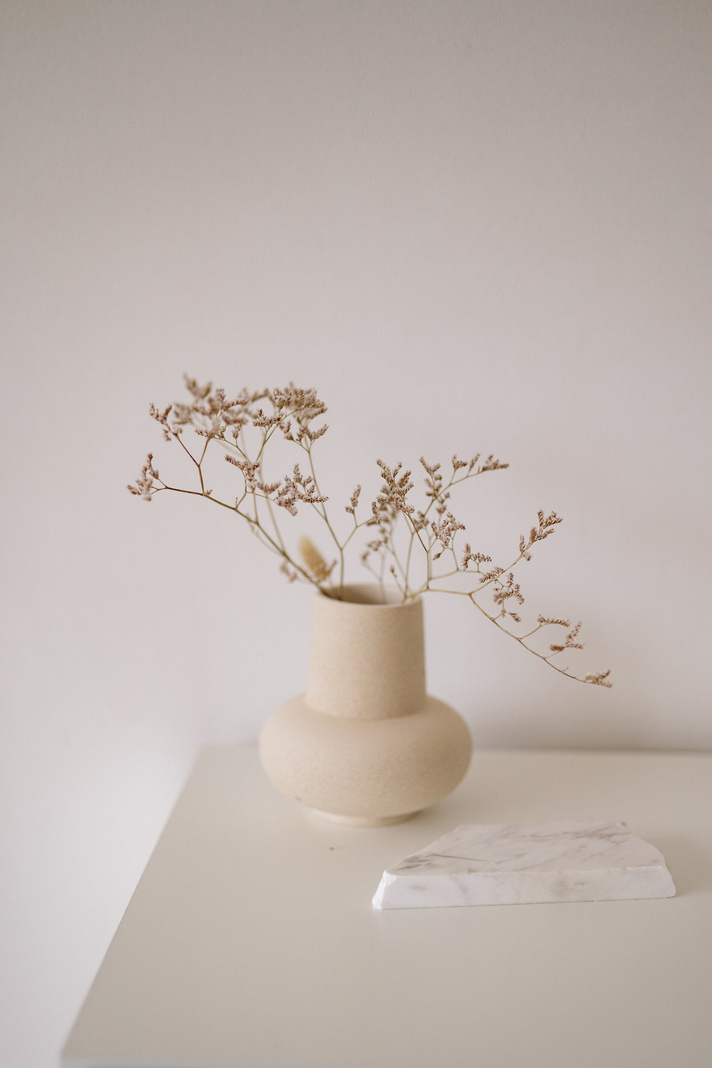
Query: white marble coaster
(512, 864)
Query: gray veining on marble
(505, 864)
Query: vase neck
(366, 661)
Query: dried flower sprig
(416, 549)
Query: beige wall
(479, 226)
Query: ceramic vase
(365, 744)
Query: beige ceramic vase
(365, 744)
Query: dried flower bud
(314, 562)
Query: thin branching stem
(402, 544)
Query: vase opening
(369, 594)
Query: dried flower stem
(400, 539)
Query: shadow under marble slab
(507, 864)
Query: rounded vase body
(365, 744)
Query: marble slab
(508, 864)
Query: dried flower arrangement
(397, 534)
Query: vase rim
(369, 595)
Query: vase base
(362, 821)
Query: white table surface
(251, 939)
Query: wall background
(472, 226)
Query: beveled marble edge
(521, 888)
